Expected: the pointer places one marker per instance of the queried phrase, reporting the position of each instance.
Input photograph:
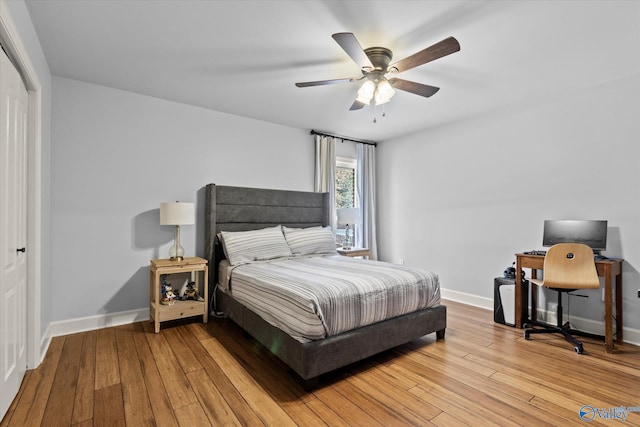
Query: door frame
(10, 39)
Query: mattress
(311, 298)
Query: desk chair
(567, 267)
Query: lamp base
(347, 243)
(176, 251)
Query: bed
(233, 209)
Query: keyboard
(542, 253)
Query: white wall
(116, 155)
(462, 199)
(346, 149)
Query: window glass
(345, 189)
(345, 186)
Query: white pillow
(242, 247)
(309, 241)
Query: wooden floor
(199, 375)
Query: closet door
(13, 231)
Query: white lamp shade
(177, 213)
(348, 216)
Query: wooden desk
(606, 268)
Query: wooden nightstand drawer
(179, 310)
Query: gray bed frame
(239, 209)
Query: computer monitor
(592, 233)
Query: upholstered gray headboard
(242, 208)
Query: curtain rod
(315, 132)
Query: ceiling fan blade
(443, 48)
(324, 82)
(413, 87)
(350, 44)
(357, 105)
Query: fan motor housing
(380, 57)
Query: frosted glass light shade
(384, 92)
(365, 93)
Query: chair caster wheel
(525, 325)
(527, 335)
(579, 349)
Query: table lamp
(177, 213)
(348, 216)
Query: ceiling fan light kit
(377, 88)
(375, 68)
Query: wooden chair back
(570, 266)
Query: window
(345, 183)
(345, 188)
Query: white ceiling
(243, 57)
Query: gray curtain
(325, 171)
(366, 192)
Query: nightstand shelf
(158, 312)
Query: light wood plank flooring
(198, 375)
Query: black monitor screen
(592, 233)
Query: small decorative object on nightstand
(167, 292)
(354, 252)
(163, 307)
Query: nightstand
(196, 267)
(354, 252)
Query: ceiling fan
(377, 74)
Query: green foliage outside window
(345, 187)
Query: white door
(13, 232)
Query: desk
(608, 269)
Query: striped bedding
(311, 298)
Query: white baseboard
(45, 340)
(99, 321)
(90, 323)
(631, 336)
(72, 326)
(469, 299)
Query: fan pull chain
(384, 114)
